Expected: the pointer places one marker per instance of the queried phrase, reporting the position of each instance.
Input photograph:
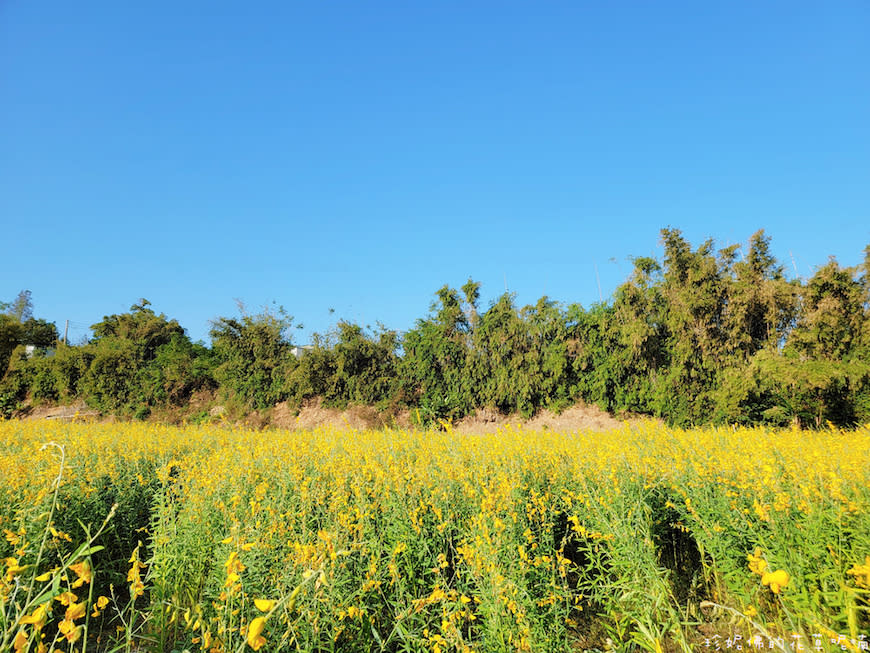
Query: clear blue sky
(359, 155)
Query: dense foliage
(700, 336)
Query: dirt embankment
(71, 413)
(314, 414)
(579, 417)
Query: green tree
(695, 291)
(141, 327)
(436, 352)
(635, 340)
(19, 327)
(349, 365)
(135, 361)
(252, 357)
(20, 308)
(762, 305)
(11, 333)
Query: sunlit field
(150, 538)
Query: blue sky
(359, 155)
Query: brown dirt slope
(579, 417)
(74, 411)
(314, 414)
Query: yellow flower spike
(264, 605)
(255, 638)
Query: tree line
(702, 335)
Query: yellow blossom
(12, 538)
(66, 598)
(83, 571)
(757, 564)
(38, 618)
(861, 573)
(264, 605)
(75, 611)
(13, 569)
(20, 641)
(255, 638)
(69, 630)
(776, 580)
(100, 605)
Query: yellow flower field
(645, 538)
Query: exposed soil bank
(313, 414)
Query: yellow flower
(20, 641)
(69, 630)
(757, 564)
(264, 605)
(83, 571)
(777, 580)
(38, 618)
(255, 638)
(12, 538)
(233, 564)
(66, 598)
(60, 535)
(13, 569)
(75, 611)
(137, 587)
(861, 573)
(750, 611)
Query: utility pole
(65, 331)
